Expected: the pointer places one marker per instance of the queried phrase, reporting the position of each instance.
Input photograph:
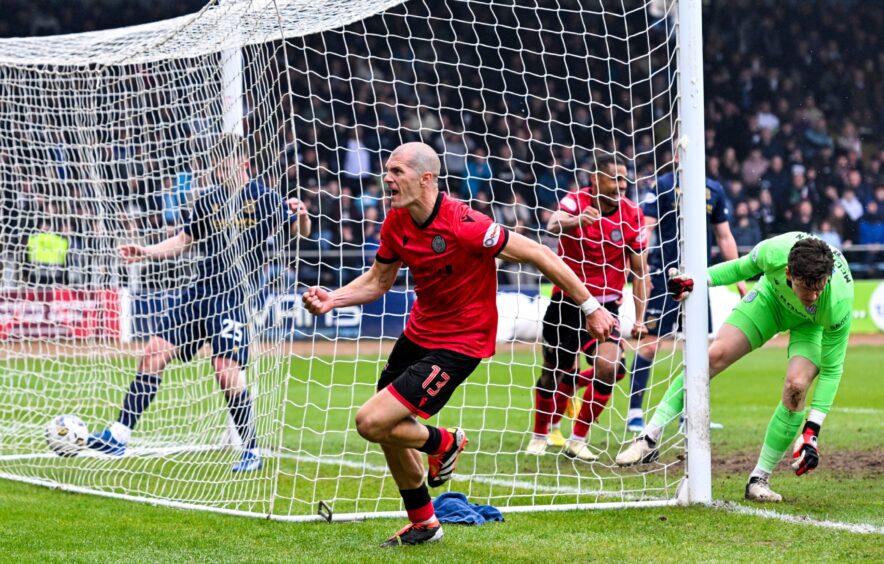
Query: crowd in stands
(794, 115)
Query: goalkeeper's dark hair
(811, 261)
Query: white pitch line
(861, 528)
(364, 466)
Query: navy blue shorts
(199, 315)
(663, 316)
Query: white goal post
(109, 137)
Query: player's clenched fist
(318, 301)
(132, 253)
(589, 216)
(600, 324)
(298, 208)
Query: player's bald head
(419, 156)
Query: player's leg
(386, 420)
(416, 381)
(560, 344)
(607, 362)
(751, 324)
(226, 325)
(804, 358)
(661, 316)
(730, 345)
(641, 372)
(142, 391)
(407, 468)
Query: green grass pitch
(41, 524)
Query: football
(66, 435)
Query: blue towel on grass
(453, 507)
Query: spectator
(776, 179)
(802, 218)
(478, 173)
(745, 228)
(754, 168)
(47, 255)
(828, 234)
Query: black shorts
(565, 334)
(424, 379)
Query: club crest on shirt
(750, 296)
(616, 235)
(438, 244)
(811, 309)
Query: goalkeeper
(229, 228)
(807, 289)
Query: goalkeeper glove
(806, 455)
(679, 284)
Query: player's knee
(546, 383)
(794, 392)
(718, 359)
(157, 355)
(369, 426)
(605, 372)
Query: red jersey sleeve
(480, 235)
(387, 254)
(570, 204)
(635, 233)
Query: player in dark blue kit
(228, 229)
(660, 207)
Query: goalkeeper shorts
(760, 316)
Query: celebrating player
(599, 228)
(806, 288)
(229, 226)
(451, 252)
(660, 207)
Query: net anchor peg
(324, 511)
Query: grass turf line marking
(861, 528)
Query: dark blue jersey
(230, 234)
(661, 203)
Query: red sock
(418, 504)
(446, 441)
(562, 395)
(584, 378)
(593, 405)
(543, 410)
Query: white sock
(577, 439)
(540, 436)
(634, 412)
(428, 521)
(555, 426)
(120, 432)
(759, 473)
(653, 432)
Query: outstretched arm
(370, 286)
(169, 248)
(520, 249)
(733, 271)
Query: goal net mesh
(108, 138)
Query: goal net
(109, 138)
